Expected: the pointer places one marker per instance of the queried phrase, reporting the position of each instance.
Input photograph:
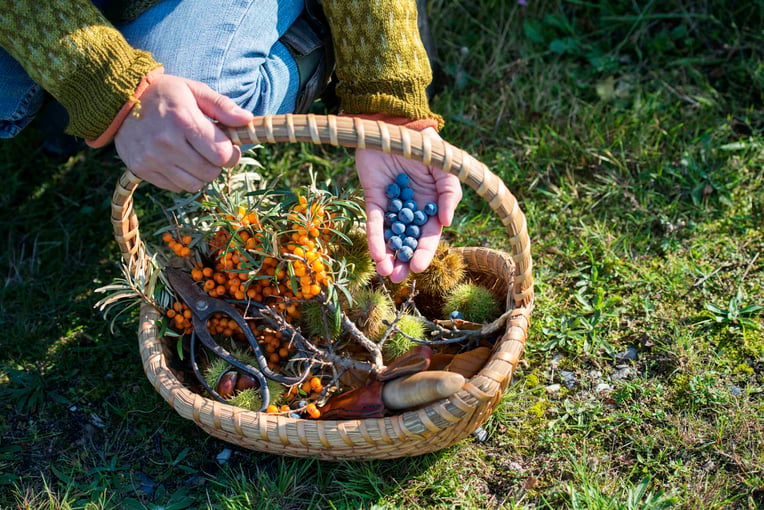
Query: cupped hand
(376, 170)
(174, 142)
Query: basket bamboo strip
(413, 432)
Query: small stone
(736, 391)
(622, 373)
(629, 354)
(553, 388)
(480, 434)
(224, 456)
(602, 388)
(568, 379)
(145, 484)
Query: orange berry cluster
(181, 247)
(298, 272)
(180, 314)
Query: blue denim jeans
(232, 46)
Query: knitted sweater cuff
(394, 99)
(93, 104)
(133, 102)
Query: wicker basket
(410, 433)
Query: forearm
(73, 52)
(382, 65)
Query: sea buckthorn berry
(315, 384)
(272, 409)
(313, 411)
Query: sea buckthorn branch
(320, 355)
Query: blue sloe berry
(405, 253)
(388, 234)
(431, 208)
(390, 218)
(402, 180)
(395, 205)
(398, 228)
(413, 231)
(395, 243)
(393, 191)
(420, 218)
(411, 205)
(406, 194)
(411, 242)
(405, 215)
(456, 314)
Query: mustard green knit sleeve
(74, 53)
(382, 65)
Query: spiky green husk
(370, 310)
(399, 344)
(246, 399)
(476, 303)
(313, 317)
(250, 398)
(445, 272)
(356, 255)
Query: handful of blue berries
(403, 219)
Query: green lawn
(631, 134)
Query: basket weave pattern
(413, 432)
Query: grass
(631, 134)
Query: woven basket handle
(361, 134)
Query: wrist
(131, 106)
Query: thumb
(217, 106)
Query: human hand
(175, 143)
(376, 170)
